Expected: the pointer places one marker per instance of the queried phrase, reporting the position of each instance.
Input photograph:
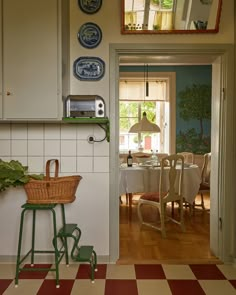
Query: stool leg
(93, 265)
(19, 248)
(55, 239)
(33, 238)
(65, 239)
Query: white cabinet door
(0, 61)
(30, 59)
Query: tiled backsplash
(33, 144)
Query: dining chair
(205, 179)
(160, 199)
(188, 157)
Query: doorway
(220, 238)
(193, 244)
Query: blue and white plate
(90, 6)
(89, 35)
(89, 68)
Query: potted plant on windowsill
(13, 174)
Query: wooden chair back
(188, 157)
(175, 178)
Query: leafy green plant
(14, 174)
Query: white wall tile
(19, 131)
(68, 131)
(35, 131)
(5, 159)
(19, 147)
(5, 147)
(99, 132)
(5, 131)
(101, 148)
(84, 131)
(52, 148)
(68, 148)
(35, 147)
(52, 131)
(36, 165)
(84, 148)
(68, 164)
(84, 164)
(101, 164)
(22, 160)
(52, 166)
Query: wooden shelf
(98, 121)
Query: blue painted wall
(186, 76)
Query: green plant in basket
(14, 174)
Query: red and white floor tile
(110, 279)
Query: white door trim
(224, 180)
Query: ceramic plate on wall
(90, 6)
(89, 35)
(89, 68)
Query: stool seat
(38, 206)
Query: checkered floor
(142, 279)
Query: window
(133, 102)
(151, 15)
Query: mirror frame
(207, 31)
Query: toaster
(90, 106)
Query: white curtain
(135, 90)
(130, 19)
(163, 20)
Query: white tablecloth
(139, 179)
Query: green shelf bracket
(101, 122)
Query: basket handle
(48, 165)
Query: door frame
(222, 239)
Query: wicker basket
(52, 190)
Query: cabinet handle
(9, 93)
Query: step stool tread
(85, 253)
(68, 229)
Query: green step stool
(78, 253)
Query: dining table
(145, 178)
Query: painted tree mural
(195, 104)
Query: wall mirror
(170, 16)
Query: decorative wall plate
(89, 35)
(90, 6)
(89, 68)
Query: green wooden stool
(57, 253)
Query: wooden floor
(145, 245)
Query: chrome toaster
(90, 106)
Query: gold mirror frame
(128, 28)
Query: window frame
(171, 76)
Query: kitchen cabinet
(32, 38)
